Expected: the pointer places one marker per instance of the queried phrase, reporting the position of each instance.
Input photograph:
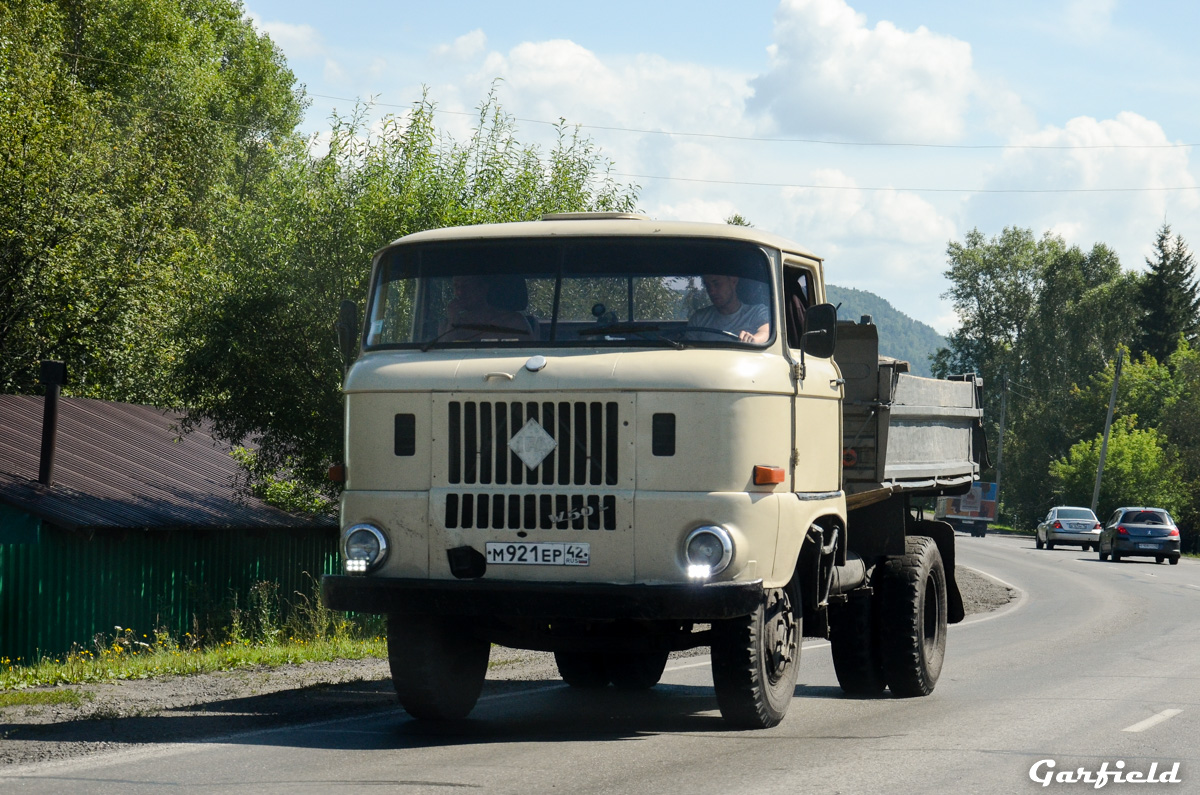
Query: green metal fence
(61, 588)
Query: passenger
(473, 312)
(750, 322)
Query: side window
(797, 298)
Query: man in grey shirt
(750, 322)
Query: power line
(906, 189)
(763, 139)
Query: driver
(750, 322)
(471, 310)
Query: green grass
(119, 661)
(42, 698)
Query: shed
(139, 527)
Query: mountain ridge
(900, 336)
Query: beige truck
(610, 438)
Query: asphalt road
(1097, 664)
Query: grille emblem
(532, 444)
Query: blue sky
(1070, 98)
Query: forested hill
(899, 335)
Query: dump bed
(902, 432)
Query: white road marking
(1197, 587)
(1152, 721)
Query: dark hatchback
(1140, 532)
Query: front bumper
(547, 600)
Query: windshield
(575, 292)
(1076, 513)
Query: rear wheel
(854, 638)
(582, 669)
(1174, 559)
(1102, 553)
(437, 665)
(913, 618)
(1159, 558)
(1116, 555)
(1038, 542)
(637, 671)
(755, 659)
(1049, 544)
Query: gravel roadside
(128, 714)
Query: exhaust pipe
(53, 375)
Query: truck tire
(587, 670)
(854, 641)
(636, 671)
(755, 660)
(912, 620)
(437, 667)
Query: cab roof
(605, 224)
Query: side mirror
(347, 331)
(820, 338)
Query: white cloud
(298, 41)
(832, 74)
(1127, 152)
(464, 47)
(1088, 19)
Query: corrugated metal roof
(121, 466)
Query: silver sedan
(1069, 526)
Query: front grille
(531, 511)
(585, 432)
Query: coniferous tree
(1168, 297)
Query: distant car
(1069, 526)
(1144, 532)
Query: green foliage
(123, 125)
(737, 220)
(262, 360)
(1138, 470)
(1039, 317)
(1168, 297)
(900, 336)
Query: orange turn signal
(766, 475)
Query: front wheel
(755, 660)
(438, 666)
(913, 622)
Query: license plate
(1147, 546)
(539, 553)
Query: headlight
(707, 551)
(364, 547)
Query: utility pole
(1000, 447)
(1112, 403)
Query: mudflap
(943, 535)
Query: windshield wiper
(631, 327)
